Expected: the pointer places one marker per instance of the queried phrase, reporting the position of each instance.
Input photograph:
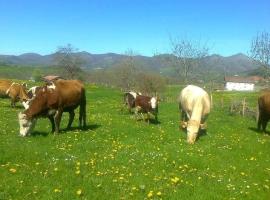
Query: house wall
(239, 86)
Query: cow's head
(154, 103)
(26, 125)
(154, 106)
(192, 131)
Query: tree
(150, 83)
(127, 71)
(68, 60)
(260, 50)
(186, 55)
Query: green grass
(120, 158)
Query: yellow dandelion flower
(175, 180)
(12, 170)
(150, 194)
(159, 193)
(79, 192)
(78, 172)
(57, 190)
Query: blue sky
(101, 26)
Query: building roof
(241, 79)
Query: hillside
(233, 64)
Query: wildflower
(12, 170)
(78, 172)
(159, 193)
(175, 180)
(150, 194)
(79, 192)
(57, 190)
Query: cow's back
(193, 96)
(143, 102)
(70, 92)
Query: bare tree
(260, 50)
(66, 58)
(127, 71)
(186, 56)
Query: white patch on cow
(52, 86)
(51, 112)
(7, 92)
(26, 104)
(153, 102)
(33, 90)
(26, 125)
(133, 94)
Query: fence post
(244, 106)
(222, 102)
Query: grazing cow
(264, 111)
(51, 101)
(129, 99)
(194, 106)
(145, 104)
(16, 91)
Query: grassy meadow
(117, 157)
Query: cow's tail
(82, 117)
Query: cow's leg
(184, 119)
(52, 122)
(259, 124)
(156, 117)
(136, 112)
(82, 116)
(12, 102)
(57, 120)
(71, 118)
(264, 124)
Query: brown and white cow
(146, 104)
(129, 99)
(51, 101)
(16, 91)
(194, 106)
(264, 111)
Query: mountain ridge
(231, 64)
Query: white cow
(194, 106)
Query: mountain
(234, 64)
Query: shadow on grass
(63, 131)
(151, 121)
(202, 133)
(39, 133)
(88, 127)
(257, 131)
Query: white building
(241, 83)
